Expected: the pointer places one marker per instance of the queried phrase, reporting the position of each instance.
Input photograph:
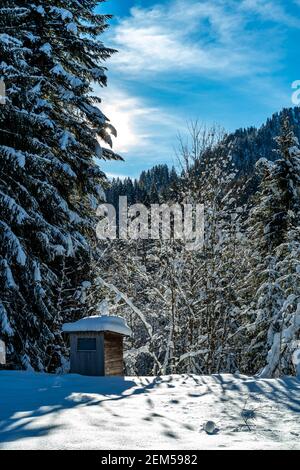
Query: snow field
(43, 411)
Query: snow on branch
(123, 296)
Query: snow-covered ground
(41, 411)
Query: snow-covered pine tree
(284, 331)
(270, 290)
(50, 128)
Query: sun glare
(122, 120)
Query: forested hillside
(235, 304)
(246, 147)
(152, 186)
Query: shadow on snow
(24, 397)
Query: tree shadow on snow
(25, 397)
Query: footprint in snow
(150, 403)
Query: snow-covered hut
(96, 345)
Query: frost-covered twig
(123, 296)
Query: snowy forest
(233, 306)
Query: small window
(86, 344)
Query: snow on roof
(98, 323)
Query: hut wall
(113, 354)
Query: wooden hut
(96, 345)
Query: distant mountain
(246, 146)
(249, 145)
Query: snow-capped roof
(98, 323)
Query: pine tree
(270, 289)
(284, 332)
(50, 129)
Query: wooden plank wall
(113, 354)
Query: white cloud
(116, 175)
(168, 47)
(272, 10)
(138, 124)
(125, 113)
(202, 38)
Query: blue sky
(230, 62)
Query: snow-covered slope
(40, 411)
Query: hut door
(87, 354)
